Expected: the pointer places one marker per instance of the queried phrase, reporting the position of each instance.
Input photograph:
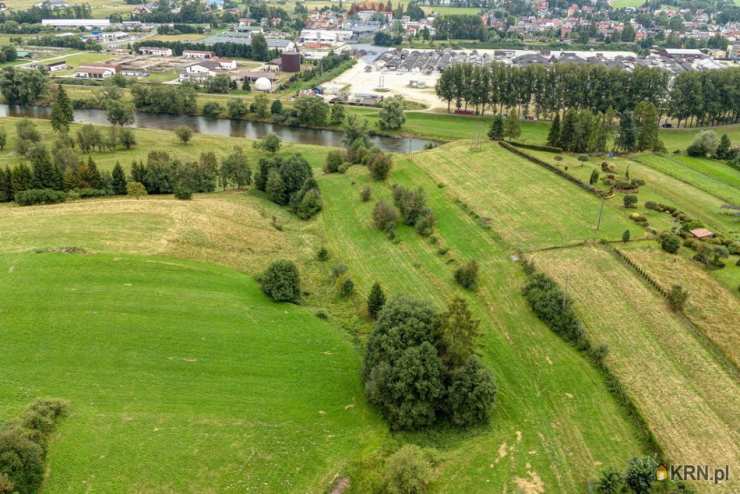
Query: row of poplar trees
(692, 98)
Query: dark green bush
(333, 161)
(630, 201)
(347, 288)
(21, 460)
(366, 194)
(408, 470)
(670, 243)
(39, 196)
(554, 308)
(467, 275)
(281, 282)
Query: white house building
(155, 51)
(198, 54)
(95, 71)
(324, 36)
(205, 69)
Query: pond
(229, 128)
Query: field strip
(690, 402)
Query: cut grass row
(713, 308)
(527, 205)
(690, 401)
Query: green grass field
(163, 343)
(212, 385)
(100, 8)
(554, 425)
(525, 204)
(620, 4)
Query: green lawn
(681, 138)
(619, 4)
(100, 8)
(712, 176)
(181, 377)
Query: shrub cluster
(39, 196)
(420, 367)
(413, 209)
(289, 181)
(639, 477)
(554, 308)
(467, 275)
(23, 446)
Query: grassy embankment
(554, 425)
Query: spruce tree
(724, 149)
(91, 175)
(6, 185)
(496, 133)
(553, 137)
(22, 178)
(62, 112)
(512, 130)
(568, 131)
(375, 301)
(119, 180)
(44, 174)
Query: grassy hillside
(672, 180)
(527, 205)
(549, 425)
(691, 402)
(184, 366)
(555, 422)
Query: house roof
(702, 233)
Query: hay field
(690, 401)
(711, 306)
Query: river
(229, 128)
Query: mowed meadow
(122, 329)
(688, 397)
